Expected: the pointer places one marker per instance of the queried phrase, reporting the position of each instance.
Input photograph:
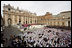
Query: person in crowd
(41, 38)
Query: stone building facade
(62, 19)
(14, 16)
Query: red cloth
(26, 25)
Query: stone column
(21, 20)
(6, 18)
(13, 19)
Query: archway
(9, 21)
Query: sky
(40, 7)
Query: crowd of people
(3, 40)
(42, 37)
